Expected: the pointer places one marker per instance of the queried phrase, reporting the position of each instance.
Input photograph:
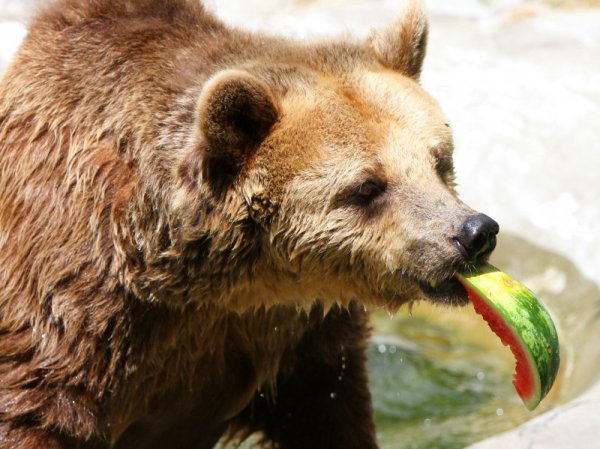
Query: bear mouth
(448, 291)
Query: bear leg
(323, 400)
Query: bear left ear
(234, 114)
(402, 46)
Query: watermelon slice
(520, 320)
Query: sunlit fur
(151, 282)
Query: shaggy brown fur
(174, 195)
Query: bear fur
(193, 220)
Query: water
(449, 387)
(441, 379)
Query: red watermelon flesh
(523, 380)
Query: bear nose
(477, 237)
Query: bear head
(338, 166)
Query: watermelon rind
(524, 315)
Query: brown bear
(194, 219)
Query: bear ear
(402, 46)
(234, 114)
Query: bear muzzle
(475, 241)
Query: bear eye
(368, 191)
(444, 167)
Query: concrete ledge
(570, 426)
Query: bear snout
(477, 237)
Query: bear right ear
(402, 46)
(235, 113)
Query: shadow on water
(441, 379)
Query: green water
(440, 380)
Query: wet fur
(158, 274)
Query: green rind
(527, 317)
